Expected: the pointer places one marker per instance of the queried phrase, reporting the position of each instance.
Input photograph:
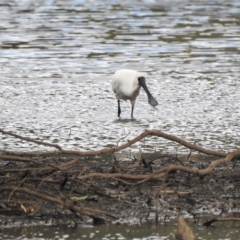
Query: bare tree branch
(121, 147)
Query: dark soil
(59, 190)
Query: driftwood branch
(155, 175)
(163, 172)
(68, 179)
(121, 147)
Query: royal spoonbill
(126, 85)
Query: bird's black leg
(119, 109)
(132, 111)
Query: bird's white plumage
(125, 84)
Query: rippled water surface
(58, 58)
(226, 231)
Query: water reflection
(57, 59)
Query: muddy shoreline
(103, 187)
(51, 190)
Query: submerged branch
(227, 219)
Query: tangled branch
(68, 179)
(123, 146)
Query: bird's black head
(141, 81)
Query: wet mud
(73, 190)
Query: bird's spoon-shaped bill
(151, 100)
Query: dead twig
(15, 158)
(31, 139)
(59, 203)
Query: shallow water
(146, 231)
(58, 57)
(57, 60)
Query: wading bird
(126, 85)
